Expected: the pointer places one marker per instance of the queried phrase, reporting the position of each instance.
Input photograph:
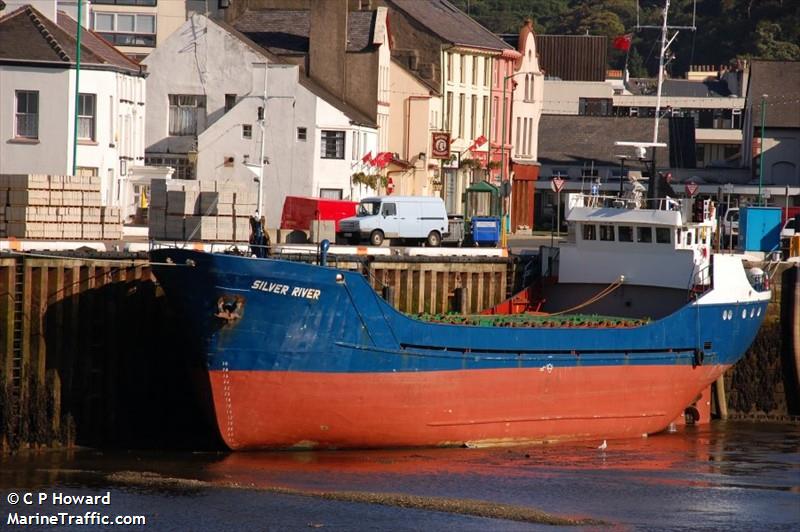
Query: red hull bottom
(267, 410)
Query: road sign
(556, 184)
(692, 188)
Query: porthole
(758, 313)
(744, 313)
(752, 312)
(724, 314)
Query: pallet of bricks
(55, 207)
(205, 210)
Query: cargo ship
(305, 355)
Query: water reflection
(724, 476)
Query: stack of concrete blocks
(56, 207)
(184, 210)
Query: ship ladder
(18, 313)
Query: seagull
(603, 446)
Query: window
(449, 67)
(461, 115)
(27, 117)
(589, 232)
(185, 111)
(302, 133)
(485, 118)
(126, 29)
(247, 131)
(644, 234)
(689, 238)
(625, 233)
(463, 68)
(230, 101)
(389, 209)
(449, 113)
(663, 235)
(126, 2)
(524, 135)
(111, 139)
(183, 170)
(475, 70)
(486, 70)
(474, 117)
(332, 145)
(607, 233)
(519, 132)
(86, 116)
(330, 193)
(594, 106)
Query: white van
(407, 217)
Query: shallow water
(727, 476)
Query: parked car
(419, 218)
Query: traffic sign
(556, 184)
(692, 188)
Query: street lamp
(503, 152)
(761, 154)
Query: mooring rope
(597, 297)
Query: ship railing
(626, 202)
(700, 281)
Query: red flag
(367, 158)
(623, 42)
(477, 143)
(382, 159)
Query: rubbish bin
(485, 230)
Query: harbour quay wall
(765, 384)
(91, 355)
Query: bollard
(459, 301)
(388, 294)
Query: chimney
(327, 45)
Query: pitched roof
(286, 31)
(574, 139)
(684, 88)
(356, 116)
(450, 23)
(28, 35)
(573, 57)
(780, 81)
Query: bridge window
(607, 233)
(662, 235)
(625, 233)
(644, 234)
(688, 238)
(589, 232)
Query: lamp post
(503, 154)
(77, 92)
(761, 154)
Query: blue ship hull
(294, 350)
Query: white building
(37, 82)
(207, 83)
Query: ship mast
(665, 43)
